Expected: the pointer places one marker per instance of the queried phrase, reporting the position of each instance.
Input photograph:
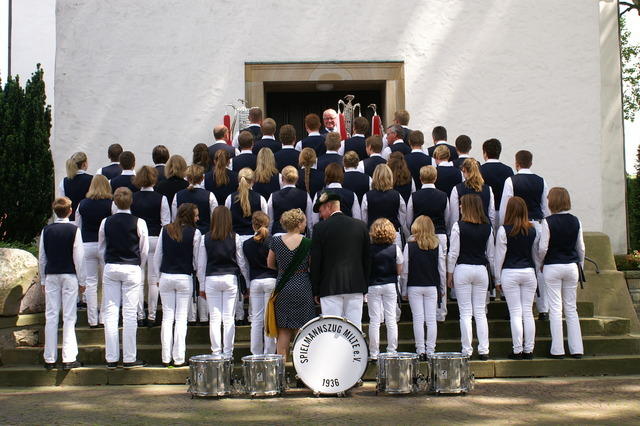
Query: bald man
(219, 134)
(330, 121)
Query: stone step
(449, 329)
(99, 375)
(499, 347)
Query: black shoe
(527, 355)
(81, 305)
(49, 365)
(97, 326)
(517, 356)
(483, 357)
(192, 323)
(423, 357)
(142, 323)
(112, 365)
(71, 365)
(552, 356)
(135, 364)
(150, 323)
(576, 356)
(166, 364)
(543, 316)
(373, 361)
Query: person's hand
(43, 289)
(450, 280)
(316, 299)
(405, 298)
(203, 294)
(499, 288)
(246, 293)
(82, 289)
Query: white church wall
(528, 73)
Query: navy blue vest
(473, 243)
(111, 171)
(272, 144)
(58, 239)
(494, 175)
(383, 264)
(564, 229)
(371, 163)
(453, 152)
(431, 202)
(402, 147)
(286, 199)
(316, 181)
(242, 224)
(423, 266)
(357, 144)
(405, 190)
(147, 206)
(76, 189)
(170, 187)
(448, 177)
(243, 160)
(92, 212)
(358, 182)
(415, 161)
(519, 249)
(256, 254)
(316, 143)
(221, 255)
(223, 191)
(199, 197)
(256, 131)
(287, 157)
(530, 188)
(327, 159)
(123, 243)
(346, 199)
(177, 256)
(383, 204)
(484, 195)
(161, 175)
(268, 188)
(215, 147)
(123, 180)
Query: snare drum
(210, 375)
(330, 355)
(398, 373)
(449, 373)
(263, 374)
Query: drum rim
(398, 355)
(448, 355)
(321, 317)
(210, 357)
(262, 357)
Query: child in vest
(76, 184)
(262, 281)
(562, 248)
(382, 295)
(61, 265)
(448, 175)
(123, 242)
(288, 198)
(114, 169)
(175, 261)
(374, 152)
(423, 282)
(516, 262)
(125, 178)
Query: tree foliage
(26, 171)
(630, 55)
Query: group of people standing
(315, 221)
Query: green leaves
(630, 55)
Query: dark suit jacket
(340, 260)
(272, 144)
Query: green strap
(299, 256)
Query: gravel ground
(603, 400)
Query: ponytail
(245, 181)
(306, 160)
(220, 167)
(195, 174)
(474, 178)
(74, 163)
(259, 222)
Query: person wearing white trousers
(423, 281)
(516, 260)
(61, 265)
(123, 244)
(562, 248)
(470, 258)
(175, 260)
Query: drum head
(330, 354)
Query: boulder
(33, 301)
(18, 273)
(27, 337)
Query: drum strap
(299, 256)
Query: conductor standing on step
(340, 260)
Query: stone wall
(633, 282)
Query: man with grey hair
(330, 121)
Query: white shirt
(455, 207)
(202, 258)
(544, 241)
(442, 269)
(78, 255)
(165, 213)
(410, 213)
(401, 216)
(99, 171)
(356, 212)
(61, 186)
(234, 141)
(299, 144)
(268, 137)
(454, 248)
(213, 203)
(157, 257)
(312, 218)
(501, 252)
(143, 244)
(507, 193)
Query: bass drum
(330, 355)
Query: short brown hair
(351, 159)
(441, 153)
(332, 141)
(374, 143)
(463, 144)
(127, 160)
(176, 166)
(147, 176)
(559, 200)
(402, 117)
(287, 134)
(245, 139)
(416, 138)
(382, 231)
(360, 125)
(255, 114)
(62, 207)
(312, 122)
(524, 159)
(221, 225)
(268, 126)
(428, 174)
(122, 198)
(160, 154)
(114, 151)
(333, 173)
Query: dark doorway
(289, 103)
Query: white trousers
(471, 283)
(175, 292)
(239, 309)
(121, 283)
(348, 306)
(562, 286)
(222, 291)
(61, 293)
(441, 312)
(382, 301)
(260, 291)
(519, 288)
(152, 285)
(92, 269)
(424, 304)
(198, 309)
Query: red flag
(343, 127)
(227, 122)
(376, 125)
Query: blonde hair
(441, 153)
(471, 209)
(74, 163)
(291, 219)
(382, 178)
(473, 179)
(260, 224)
(99, 188)
(306, 160)
(265, 166)
(424, 234)
(351, 159)
(559, 200)
(428, 174)
(220, 167)
(176, 166)
(123, 198)
(382, 231)
(147, 176)
(61, 207)
(290, 175)
(398, 165)
(245, 182)
(195, 174)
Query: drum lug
(316, 394)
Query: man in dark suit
(268, 139)
(255, 121)
(329, 121)
(395, 133)
(219, 134)
(340, 260)
(439, 136)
